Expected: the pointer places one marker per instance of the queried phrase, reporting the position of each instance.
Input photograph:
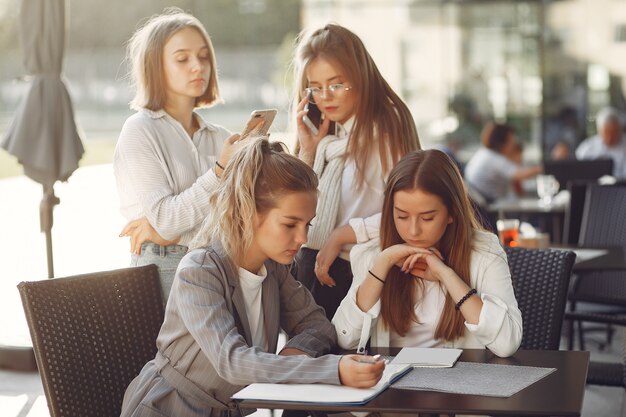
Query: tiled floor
(89, 203)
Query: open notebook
(427, 357)
(321, 393)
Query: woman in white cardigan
(364, 128)
(433, 278)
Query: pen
(375, 359)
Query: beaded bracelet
(471, 292)
(372, 274)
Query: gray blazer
(205, 351)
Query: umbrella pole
(48, 202)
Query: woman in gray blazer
(234, 292)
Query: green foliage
(94, 24)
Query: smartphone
(307, 121)
(259, 123)
(313, 117)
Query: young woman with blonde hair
(167, 158)
(233, 293)
(364, 128)
(434, 278)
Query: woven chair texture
(91, 335)
(540, 280)
(604, 218)
(603, 224)
(574, 212)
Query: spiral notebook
(321, 393)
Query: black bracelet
(471, 292)
(219, 166)
(372, 274)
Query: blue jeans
(166, 258)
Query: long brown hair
(381, 117)
(257, 176)
(433, 172)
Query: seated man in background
(609, 142)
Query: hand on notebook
(358, 374)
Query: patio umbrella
(43, 133)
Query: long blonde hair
(381, 117)
(255, 178)
(144, 52)
(433, 172)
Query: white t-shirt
(594, 148)
(490, 173)
(252, 286)
(428, 312)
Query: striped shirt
(165, 175)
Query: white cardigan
(499, 327)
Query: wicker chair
(574, 212)
(92, 334)
(603, 224)
(610, 374)
(540, 280)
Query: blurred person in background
(561, 134)
(492, 171)
(609, 142)
(560, 151)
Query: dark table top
(560, 393)
(527, 205)
(614, 259)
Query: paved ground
(85, 240)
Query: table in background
(552, 215)
(613, 259)
(560, 393)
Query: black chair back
(604, 216)
(573, 169)
(540, 280)
(91, 335)
(603, 224)
(574, 212)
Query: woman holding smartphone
(363, 129)
(434, 278)
(167, 158)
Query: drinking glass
(508, 231)
(547, 187)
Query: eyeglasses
(337, 90)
